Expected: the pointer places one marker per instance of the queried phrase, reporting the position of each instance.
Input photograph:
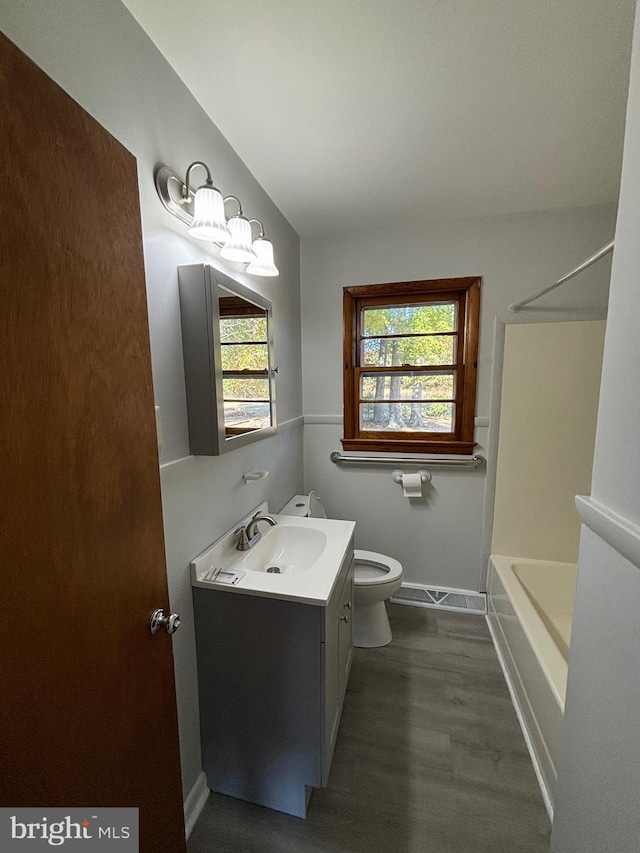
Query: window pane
(247, 415)
(250, 388)
(244, 357)
(407, 386)
(407, 417)
(388, 352)
(243, 329)
(409, 319)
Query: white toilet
(376, 578)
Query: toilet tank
(305, 505)
(298, 505)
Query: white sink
(284, 549)
(306, 552)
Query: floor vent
(442, 598)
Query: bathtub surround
(548, 384)
(599, 773)
(95, 51)
(550, 389)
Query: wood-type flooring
(429, 759)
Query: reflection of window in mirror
(244, 344)
(228, 350)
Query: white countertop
(310, 586)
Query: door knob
(159, 620)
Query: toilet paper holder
(398, 474)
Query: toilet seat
(372, 569)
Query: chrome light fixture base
(178, 198)
(170, 188)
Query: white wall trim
(194, 803)
(292, 423)
(618, 532)
(323, 419)
(285, 426)
(175, 462)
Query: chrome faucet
(250, 535)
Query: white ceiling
(357, 114)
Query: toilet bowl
(376, 578)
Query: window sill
(397, 446)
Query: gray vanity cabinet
(338, 654)
(272, 677)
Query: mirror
(244, 357)
(227, 343)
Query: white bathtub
(529, 611)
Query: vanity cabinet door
(338, 652)
(345, 634)
(333, 703)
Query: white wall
(599, 771)
(550, 390)
(100, 56)
(438, 540)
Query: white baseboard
(194, 803)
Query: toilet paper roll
(412, 485)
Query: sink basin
(284, 549)
(297, 560)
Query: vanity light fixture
(203, 210)
(238, 246)
(209, 222)
(263, 264)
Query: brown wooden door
(87, 707)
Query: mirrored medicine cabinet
(227, 344)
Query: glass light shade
(263, 264)
(238, 245)
(208, 216)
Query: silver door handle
(158, 621)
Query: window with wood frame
(410, 363)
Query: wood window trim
(467, 292)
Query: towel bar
(465, 462)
